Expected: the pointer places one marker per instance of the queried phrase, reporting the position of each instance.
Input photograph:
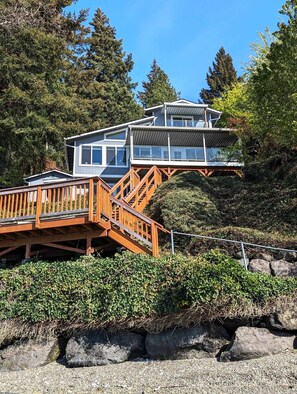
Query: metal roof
(158, 136)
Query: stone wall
(227, 340)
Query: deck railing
(90, 198)
(125, 184)
(145, 189)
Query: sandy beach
(274, 375)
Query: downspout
(165, 115)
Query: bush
(101, 291)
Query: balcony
(187, 123)
(181, 154)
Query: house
(47, 177)
(174, 136)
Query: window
(91, 155)
(182, 121)
(142, 152)
(116, 156)
(121, 135)
(86, 153)
(195, 154)
(177, 155)
(156, 152)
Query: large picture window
(116, 156)
(91, 155)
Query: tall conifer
(37, 105)
(157, 89)
(110, 88)
(220, 78)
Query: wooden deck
(80, 216)
(84, 216)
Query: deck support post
(28, 251)
(89, 249)
(155, 240)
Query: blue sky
(184, 36)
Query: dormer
(184, 113)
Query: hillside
(262, 207)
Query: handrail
(90, 196)
(124, 186)
(142, 182)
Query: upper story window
(119, 135)
(116, 156)
(91, 155)
(182, 121)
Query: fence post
(244, 256)
(172, 242)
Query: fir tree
(110, 88)
(220, 78)
(158, 89)
(37, 106)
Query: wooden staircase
(58, 216)
(135, 191)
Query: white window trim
(91, 165)
(115, 132)
(116, 149)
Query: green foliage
(158, 89)
(107, 69)
(37, 105)
(273, 85)
(128, 286)
(265, 200)
(220, 78)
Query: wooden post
(91, 199)
(155, 240)
(98, 202)
(89, 249)
(28, 251)
(38, 206)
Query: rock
(291, 257)
(28, 354)
(283, 268)
(96, 347)
(260, 265)
(252, 342)
(196, 342)
(285, 320)
(265, 256)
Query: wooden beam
(54, 238)
(64, 247)
(8, 250)
(127, 242)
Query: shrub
(129, 286)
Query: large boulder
(28, 354)
(283, 268)
(286, 319)
(252, 342)
(96, 347)
(196, 342)
(260, 265)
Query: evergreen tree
(273, 85)
(37, 106)
(109, 88)
(158, 89)
(220, 78)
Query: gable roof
(29, 178)
(111, 128)
(182, 103)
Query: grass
(261, 208)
